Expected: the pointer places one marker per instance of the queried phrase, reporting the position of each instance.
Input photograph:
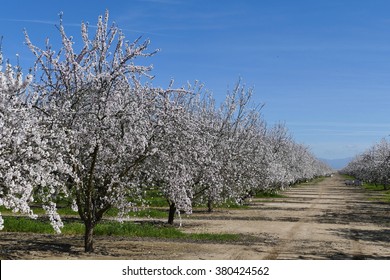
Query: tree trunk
(210, 206)
(90, 214)
(172, 212)
(88, 237)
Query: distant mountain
(337, 164)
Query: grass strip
(383, 194)
(113, 228)
(269, 195)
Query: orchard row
(87, 126)
(372, 166)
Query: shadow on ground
(382, 235)
(12, 248)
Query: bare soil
(327, 220)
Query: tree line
(372, 166)
(88, 126)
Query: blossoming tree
(373, 165)
(110, 118)
(29, 166)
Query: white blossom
(373, 165)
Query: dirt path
(323, 221)
(327, 220)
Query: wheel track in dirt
(318, 205)
(283, 246)
(327, 220)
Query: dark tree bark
(88, 237)
(209, 206)
(172, 212)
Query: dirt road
(327, 220)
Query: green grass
(156, 201)
(130, 229)
(347, 177)
(313, 181)
(233, 205)
(154, 198)
(22, 224)
(269, 195)
(383, 195)
(230, 203)
(156, 207)
(150, 213)
(373, 187)
(386, 197)
(113, 228)
(378, 189)
(113, 212)
(39, 211)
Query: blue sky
(321, 67)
